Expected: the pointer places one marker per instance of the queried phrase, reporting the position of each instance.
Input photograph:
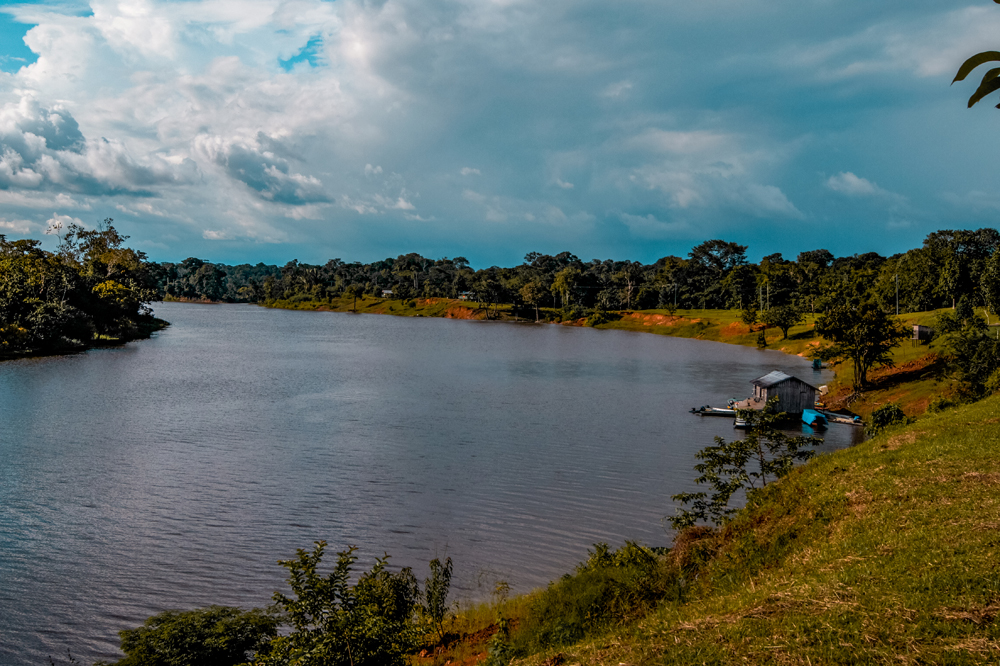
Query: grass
(883, 553)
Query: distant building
(387, 293)
(922, 333)
(793, 394)
(465, 295)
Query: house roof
(775, 378)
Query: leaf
(976, 61)
(985, 89)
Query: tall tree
(863, 333)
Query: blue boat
(814, 419)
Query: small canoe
(705, 410)
(814, 419)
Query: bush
(940, 405)
(334, 623)
(610, 587)
(213, 636)
(885, 417)
(601, 317)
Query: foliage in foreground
(376, 621)
(611, 587)
(213, 636)
(764, 454)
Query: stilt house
(793, 394)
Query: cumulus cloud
(255, 162)
(649, 226)
(215, 120)
(14, 226)
(56, 224)
(43, 148)
(850, 185)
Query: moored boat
(814, 419)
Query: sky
(264, 130)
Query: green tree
(533, 292)
(436, 594)
(972, 352)
(565, 282)
(334, 623)
(783, 317)
(213, 636)
(764, 455)
(863, 333)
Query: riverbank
(143, 328)
(885, 552)
(914, 383)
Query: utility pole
(897, 294)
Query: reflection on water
(174, 472)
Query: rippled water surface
(174, 472)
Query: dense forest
(715, 274)
(92, 290)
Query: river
(174, 472)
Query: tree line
(92, 290)
(715, 274)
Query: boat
(814, 419)
(741, 423)
(706, 410)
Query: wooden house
(922, 333)
(793, 394)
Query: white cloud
(468, 171)
(616, 90)
(847, 183)
(15, 226)
(57, 224)
(372, 171)
(850, 185)
(564, 185)
(649, 226)
(216, 234)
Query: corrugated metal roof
(776, 377)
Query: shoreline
(146, 330)
(913, 383)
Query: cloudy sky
(266, 130)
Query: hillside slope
(888, 552)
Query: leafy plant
(611, 586)
(885, 417)
(436, 594)
(334, 623)
(765, 454)
(213, 636)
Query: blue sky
(260, 130)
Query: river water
(174, 472)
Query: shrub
(612, 586)
(940, 404)
(213, 636)
(885, 417)
(335, 623)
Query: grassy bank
(883, 553)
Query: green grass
(883, 553)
